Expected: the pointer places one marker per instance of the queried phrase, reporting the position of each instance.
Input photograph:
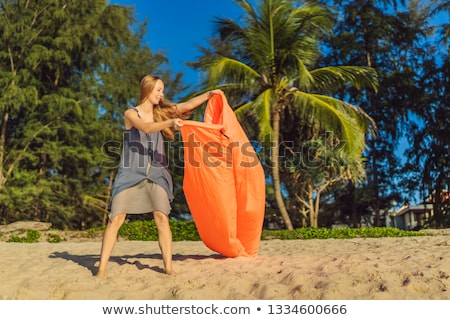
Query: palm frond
(263, 105)
(244, 109)
(337, 77)
(224, 70)
(335, 116)
(305, 78)
(228, 29)
(362, 119)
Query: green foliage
(186, 231)
(343, 233)
(409, 104)
(139, 230)
(68, 70)
(54, 238)
(31, 237)
(145, 230)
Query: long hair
(165, 110)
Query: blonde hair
(164, 110)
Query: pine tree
(69, 69)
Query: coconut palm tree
(271, 69)
(444, 28)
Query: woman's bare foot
(101, 273)
(171, 272)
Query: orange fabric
(223, 181)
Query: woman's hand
(197, 100)
(215, 91)
(177, 123)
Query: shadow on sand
(89, 261)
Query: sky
(179, 27)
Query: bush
(186, 230)
(31, 237)
(54, 238)
(146, 230)
(344, 233)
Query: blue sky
(179, 27)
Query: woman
(143, 183)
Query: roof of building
(420, 208)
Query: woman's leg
(164, 239)
(109, 240)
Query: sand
(352, 269)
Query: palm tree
(444, 28)
(269, 68)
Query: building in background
(415, 217)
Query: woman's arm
(196, 101)
(132, 120)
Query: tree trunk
(376, 203)
(310, 205)
(304, 214)
(375, 168)
(354, 213)
(315, 223)
(276, 170)
(2, 148)
(108, 196)
(437, 203)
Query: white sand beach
(385, 268)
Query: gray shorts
(145, 197)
